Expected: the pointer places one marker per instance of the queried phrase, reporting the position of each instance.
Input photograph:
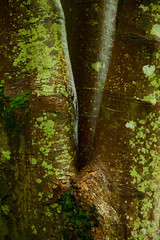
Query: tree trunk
(126, 145)
(116, 193)
(38, 118)
(90, 31)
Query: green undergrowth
(12, 110)
(78, 222)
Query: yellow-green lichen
(55, 155)
(6, 154)
(96, 66)
(156, 30)
(144, 8)
(33, 161)
(38, 180)
(34, 230)
(130, 125)
(145, 173)
(41, 48)
(148, 70)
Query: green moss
(9, 108)
(1, 89)
(20, 101)
(78, 223)
(5, 209)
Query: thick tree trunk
(116, 195)
(122, 179)
(38, 118)
(90, 32)
(126, 145)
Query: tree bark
(116, 193)
(90, 31)
(38, 118)
(126, 145)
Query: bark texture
(122, 179)
(126, 145)
(116, 195)
(38, 118)
(90, 30)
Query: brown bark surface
(38, 118)
(115, 193)
(126, 144)
(90, 31)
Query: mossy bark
(126, 145)
(37, 131)
(116, 194)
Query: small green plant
(1, 89)
(20, 101)
(78, 222)
(8, 108)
